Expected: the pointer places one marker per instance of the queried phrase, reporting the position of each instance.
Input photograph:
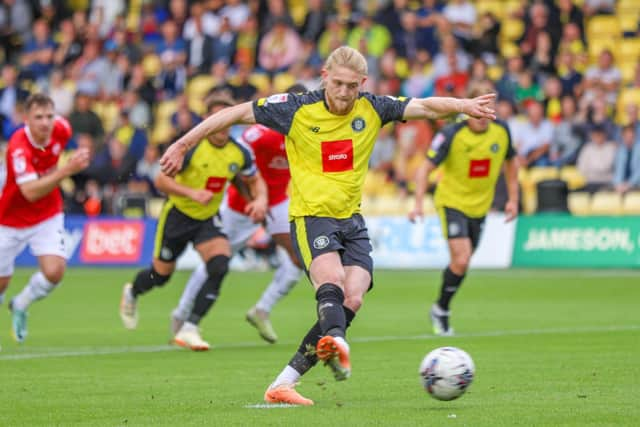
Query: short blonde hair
(347, 57)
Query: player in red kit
(31, 204)
(271, 160)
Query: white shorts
(239, 228)
(45, 238)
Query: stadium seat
(493, 6)
(261, 82)
(601, 43)
(572, 176)
(130, 205)
(627, 21)
(541, 173)
(579, 203)
(154, 206)
(627, 69)
(606, 203)
(108, 113)
(511, 29)
(601, 26)
(165, 110)
(631, 203)
(282, 82)
(151, 65)
(200, 85)
(628, 50)
(162, 132)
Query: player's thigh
(476, 226)
(48, 238)
(12, 242)
(357, 245)
(173, 233)
(312, 239)
(211, 241)
(238, 227)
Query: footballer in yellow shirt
(471, 154)
(329, 136)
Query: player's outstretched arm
(257, 208)
(440, 107)
(511, 176)
(168, 185)
(38, 188)
(171, 161)
(422, 183)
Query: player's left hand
(256, 210)
(480, 107)
(171, 160)
(511, 210)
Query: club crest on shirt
(233, 167)
(166, 253)
(19, 165)
(55, 149)
(495, 147)
(321, 242)
(358, 124)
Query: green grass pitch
(551, 347)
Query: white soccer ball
(447, 372)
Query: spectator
(199, 44)
(454, 83)
(224, 44)
(15, 26)
(626, 170)
(84, 120)
(171, 43)
(570, 13)
(116, 67)
(485, 44)
(552, 102)
(60, 93)
(11, 95)
(409, 40)
(334, 36)
(237, 12)
(88, 70)
(201, 23)
(370, 38)
(139, 111)
(279, 48)
(173, 77)
(183, 119)
(104, 14)
(533, 137)
(568, 135)
(276, 10)
(538, 22)
(69, 45)
(461, 15)
(508, 83)
(314, 21)
(429, 20)
(527, 89)
(605, 76)
(137, 81)
(570, 79)
(441, 61)
(596, 160)
(146, 171)
(420, 83)
(596, 112)
(541, 63)
(598, 7)
(37, 55)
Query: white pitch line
(98, 351)
(270, 406)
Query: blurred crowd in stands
(133, 75)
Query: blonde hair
(348, 57)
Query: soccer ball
(446, 372)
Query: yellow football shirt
(211, 167)
(328, 154)
(471, 164)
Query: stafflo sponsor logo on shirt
(479, 168)
(337, 156)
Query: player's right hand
(202, 196)
(79, 160)
(416, 214)
(171, 160)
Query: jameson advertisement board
(568, 241)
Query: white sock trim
(288, 376)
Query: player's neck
(38, 142)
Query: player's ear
(324, 73)
(363, 81)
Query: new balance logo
(325, 305)
(314, 129)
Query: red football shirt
(271, 160)
(27, 162)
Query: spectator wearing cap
(626, 170)
(279, 48)
(596, 160)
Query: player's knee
(353, 302)
(158, 279)
(218, 265)
(460, 263)
(54, 272)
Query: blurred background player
(471, 154)
(271, 160)
(31, 204)
(330, 135)
(190, 214)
